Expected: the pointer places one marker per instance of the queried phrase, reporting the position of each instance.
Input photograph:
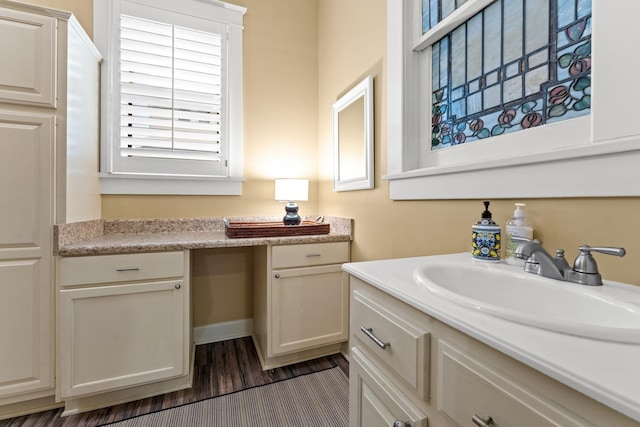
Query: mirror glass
(350, 136)
(353, 138)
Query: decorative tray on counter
(236, 229)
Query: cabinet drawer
(469, 388)
(120, 268)
(406, 344)
(309, 254)
(375, 401)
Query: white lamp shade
(288, 189)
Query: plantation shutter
(170, 91)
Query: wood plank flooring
(220, 368)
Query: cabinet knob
(178, 286)
(482, 421)
(277, 276)
(399, 423)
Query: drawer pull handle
(369, 332)
(482, 421)
(128, 269)
(313, 255)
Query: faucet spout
(538, 260)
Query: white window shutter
(171, 91)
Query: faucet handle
(609, 250)
(585, 263)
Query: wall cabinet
(48, 175)
(301, 303)
(124, 321)
(466, 383)
(29, 39)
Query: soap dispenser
(516, 226)
(485, 237)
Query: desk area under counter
(125, 282)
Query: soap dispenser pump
(486, 237)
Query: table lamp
(292, 190)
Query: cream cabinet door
(26, 318)
(120, 335)
(309, 308)
(27, 49)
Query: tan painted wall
(222, 282)
(352, 44)
(300, 56)
(280, 140)
(82, 9)
(280, 113)
(280, 118)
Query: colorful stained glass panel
(434, 11)
(515, 65)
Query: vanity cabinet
(301, 303)
(48, 174)
(465, 382)
(123, 321)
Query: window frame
(117, 177)
(573, 156)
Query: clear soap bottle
(517, 226)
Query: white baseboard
(222, 331)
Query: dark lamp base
(292, 217)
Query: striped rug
(320, 399)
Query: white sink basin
(610, 312)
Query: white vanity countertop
(605, 371)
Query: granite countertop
(103, 237)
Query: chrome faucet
(584, 271)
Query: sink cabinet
(123, 322)
(48, 174)
(301, 303)
(464, 379)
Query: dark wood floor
(220, 368)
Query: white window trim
(106, 16)
(592, 156)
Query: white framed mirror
(353, 138)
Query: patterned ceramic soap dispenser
(485, 237)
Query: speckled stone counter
(102, 237)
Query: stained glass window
(434, 11)
(515, 65)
